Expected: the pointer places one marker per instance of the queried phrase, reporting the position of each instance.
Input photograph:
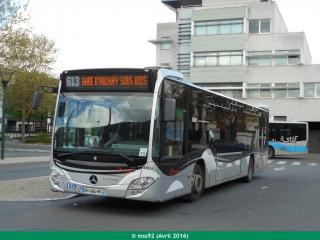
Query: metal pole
(3, 120)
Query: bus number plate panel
(93, 191)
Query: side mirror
(62, 107)
(36, 100)
(169, 109)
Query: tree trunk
(29, 128)
(23, 125)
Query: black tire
(248, 178)
(196, 184)
(270, 152)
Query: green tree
(32, 58)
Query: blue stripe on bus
(289, 148)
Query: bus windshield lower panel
(107, 128)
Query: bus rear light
(307, 144)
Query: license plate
(93, 191)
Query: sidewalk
(24, 160)
(29, 189)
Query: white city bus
(288, 138)
(145, 134)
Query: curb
(24, 163)
(39, 200)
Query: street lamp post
(4, 83)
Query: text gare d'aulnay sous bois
(115, 81)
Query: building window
(287, 58)
(260, 59)
(262, 91)
(166, 43)
(219, 27)
(225, 89)
(218, 59)
(312, 90)
(259, 26)
(287, 90)
(280, 118)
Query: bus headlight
(55, 176)
(141, 183)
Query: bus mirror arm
(169, 109)
(37, 95)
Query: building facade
(243, 49)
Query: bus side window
(174, 141)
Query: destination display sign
(107, 82)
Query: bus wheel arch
(270, 152)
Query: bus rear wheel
(196, 184)
(270, 152)
(249, 177)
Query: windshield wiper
(131, 160)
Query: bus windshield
(101, 121)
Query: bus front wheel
(270, 152)
(196, 184)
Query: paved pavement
(28, 189)
(38, 189)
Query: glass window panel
(281, 60)
(212, 30)
(309, 89)
(254, 26)
(293, 93)
(237, 93)
(225, 22)
(294, 51)
(265, 85)
(201, 30)
(236, 60)
(293, 59)
(265, 93)
(317, 90)
(211, 61)
(227, 93)
(237, 21)
(266, 61)
(212, 23)
(265, 26)
(200, 61)
(281, 93)
(253, 61)
(236, 53)
(200, 23)
(294, 85)
(281, 51)
(280, 84)
(224, 60)
(253, 85)
(165, 45)
(253, 93)
(200, 54)
(212, 54)
(266, 52)
(236, 28)
(225, 28)
(224, 53)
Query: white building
(242, 49)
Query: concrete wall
(226, 42)
(279, 25)
(167, 56)
(219, 13)
(218, 74)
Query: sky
(115, 33)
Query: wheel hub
(197, 183)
